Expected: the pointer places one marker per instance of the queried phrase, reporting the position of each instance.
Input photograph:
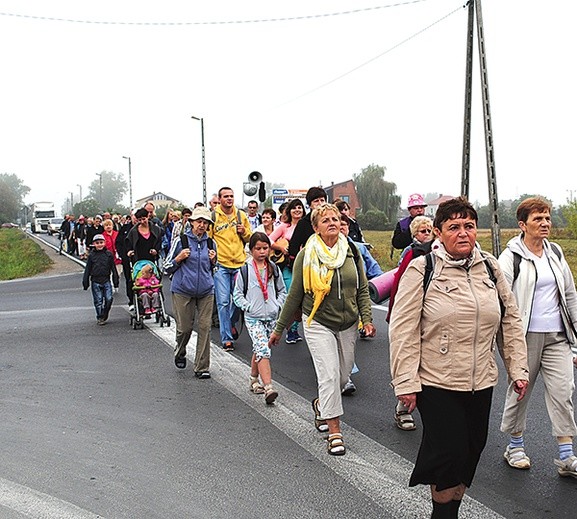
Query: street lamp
(80, 190)
(129, 179)
(203, 158)
(100, 197)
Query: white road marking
(38, 505)
(370, 467)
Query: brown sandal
(269, 394)
(320, 424)
(336, 445)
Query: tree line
(380, 204)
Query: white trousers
(333, 355)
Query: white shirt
(545, 314)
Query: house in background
(345, 191)
(432, 205)
(159, 200)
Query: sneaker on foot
(517, 458)
(202, 374)
(349, 388)
(228, 346)
(290, 338)
(567, 467)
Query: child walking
(148, 287)
(259, 291)
(99, 267)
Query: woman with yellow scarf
(330, 287)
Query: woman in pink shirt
(280, 239)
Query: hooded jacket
(230, 243)
(193, 276)
(524, 286)
(253, 304)
(447, 339)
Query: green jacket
(341, 307)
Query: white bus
(40, 215)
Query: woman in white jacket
(543, 285)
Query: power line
(215, 22)
(396, 46)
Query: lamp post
(100, 195)
(129, 179)
(71, 201)
(80, 191)
(203, 157)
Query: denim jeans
(227, 310)
(102, 297)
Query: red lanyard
(263, 285)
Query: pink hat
(416, 200)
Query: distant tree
(570, 215)
(377, 194)
(373, 220)
(12, 193)
(113, 190)
(87, 207)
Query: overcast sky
(306, 99)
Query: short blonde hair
(417, 222)
(319, 212)
(107, 222)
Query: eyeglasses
(426, 231)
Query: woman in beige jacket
(442, 344)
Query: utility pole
(489, 148)
(129, 179)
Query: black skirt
(455, 427)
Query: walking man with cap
(402, 235)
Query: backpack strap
(516, 266)
(429, 268)
(244, 275)
(556, 250)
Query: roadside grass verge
(20, 257)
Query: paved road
(100, 423)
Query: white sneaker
(567, 467)
(131, 308)
(517, 458)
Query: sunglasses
(425, 231)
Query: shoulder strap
(493, 278)
(244, 275)
(556, 250)
(429, 268)
(354, 250)
(516, 264)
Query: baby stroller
(138, 316)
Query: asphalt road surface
(99, 423)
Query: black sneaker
(180, 362)
(228, 346)
(202, 374)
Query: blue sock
(516, 441)
(565, 451)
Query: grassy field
(381, 241)
(20, 256)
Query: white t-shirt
(545, 314)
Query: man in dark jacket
(402, 235)
(99, 266)
(122, 250)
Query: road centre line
(371, 468)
